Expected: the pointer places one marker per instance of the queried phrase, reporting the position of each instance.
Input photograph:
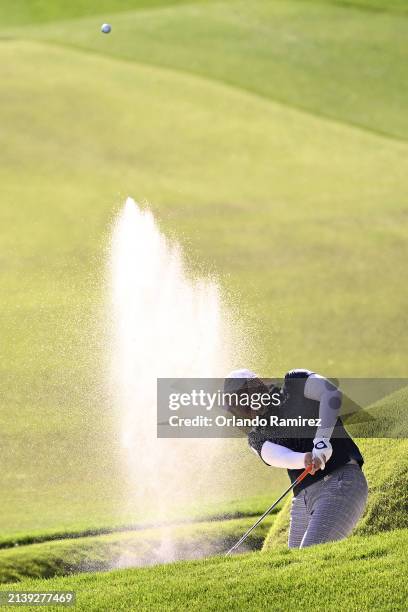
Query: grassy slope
(275, 186)
(144, 547)
(399, 6)
(174, 37)
(358, 574)
(37, 11)
(40, 11)
(386, 417)
(233, 508)
(337, 62)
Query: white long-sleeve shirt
(319, 389)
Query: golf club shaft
(261, 518)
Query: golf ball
(106, 28)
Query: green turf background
(270, 139)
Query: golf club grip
(304, 474)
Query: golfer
(328, 503)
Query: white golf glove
(322, 449)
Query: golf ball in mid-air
(106, 28)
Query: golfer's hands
(310, 462)
(322, 451)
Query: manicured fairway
(40, 11)
(334, 61)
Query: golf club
(261, 518)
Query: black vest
(295, 404)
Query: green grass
(234, 508)
(399, 6)
(387, 417)
(358, 574)
(137, 548)
(39, 11)
(194, 108)
(331, 60)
